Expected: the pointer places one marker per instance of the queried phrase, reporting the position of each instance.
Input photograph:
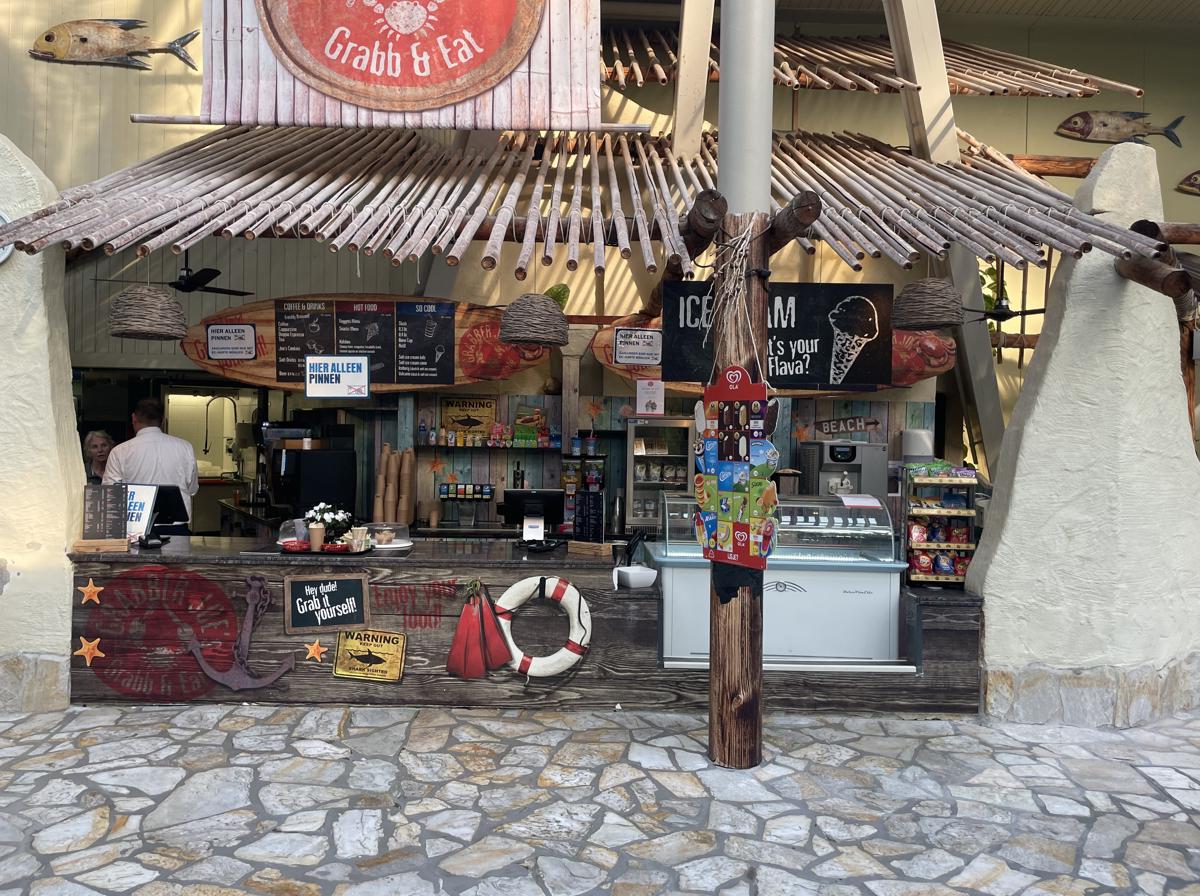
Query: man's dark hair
(149, 411)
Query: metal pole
(746, 110)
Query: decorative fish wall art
(106, 42)
(1190, 184)
(1115, 127)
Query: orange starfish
(315, 650)
(90, 591)
(437, 465)
(89, 650)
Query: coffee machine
(826, 465)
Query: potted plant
(337, 522)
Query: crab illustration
(407, 17)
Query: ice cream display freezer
(831, 588)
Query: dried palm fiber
(146, 312)
(928, 304)
(533, 319)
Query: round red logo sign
(400, 55)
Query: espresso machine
(842, 467)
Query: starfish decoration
(89, 650)
(91, 592)
(594, 410)
(437, 465)
(315, 650)
(453, 477)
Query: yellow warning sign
(373, 655)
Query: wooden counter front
(146, 607)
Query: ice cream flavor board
(736, 502)
(821, 335)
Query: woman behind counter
(96, 445)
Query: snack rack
(919, 489)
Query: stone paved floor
(214, 800)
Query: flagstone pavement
(215, 800)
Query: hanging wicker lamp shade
(929, 304)
(533, 319)
(146, 312)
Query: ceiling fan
(188, 281)
(1001, 312)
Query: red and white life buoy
(566, 596)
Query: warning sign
(373, 655)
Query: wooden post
(1179, 232)
(698, 228)
(1168, 279)
(1187, 339)
(736, 594)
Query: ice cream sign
(401, 55)
(736, 502)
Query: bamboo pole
(533, 213)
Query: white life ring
(568, 597)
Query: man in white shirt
(152, 457)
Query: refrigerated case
(660, 460)
(831, 591)
(580, 473)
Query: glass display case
(659, 463)
(831, 590)
(810, 528)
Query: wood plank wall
(556, 86)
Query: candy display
(736, 502)
(939, 500)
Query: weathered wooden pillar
(735, 600)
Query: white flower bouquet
(337, 522)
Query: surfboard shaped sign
(400, 55)
(409, 343)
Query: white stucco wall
(41, 471)
(1091, 556)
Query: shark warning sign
(373, 655)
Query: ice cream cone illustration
(855, 323)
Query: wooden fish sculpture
(106, 42)
(1190, 184)
(1115, 127)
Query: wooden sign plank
(333, 603)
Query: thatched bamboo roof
(398, 193)
(633, 57)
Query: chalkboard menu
(365, 328)
(425, 342)
(820, 335)
(325, 603)
(104, 511)
(301, 329)
(589, 516)
(406, 342)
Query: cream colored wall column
(580, 336)
(1089, 564)
(41, 468)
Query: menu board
(819, 335)
(589, 516)
(405, 342)
(365, 328)
(104, 511)
(301, 329)
(425, 342)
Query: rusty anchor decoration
(239, 677)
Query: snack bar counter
(831, 591)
